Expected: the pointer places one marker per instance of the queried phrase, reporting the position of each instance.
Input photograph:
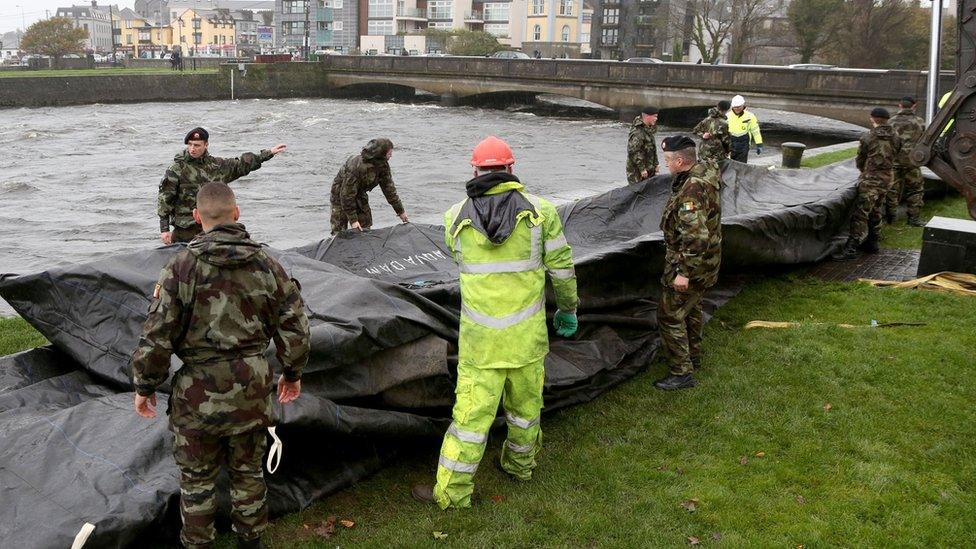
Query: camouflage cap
(677, 143)
(196, 134)
(377, 148)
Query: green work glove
(565, 323)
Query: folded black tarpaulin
(384, 308)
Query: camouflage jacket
(909, 128)
(641, 148)
(877, 152)
(217, 305)
(719, 144)
(357, 177)
(692, 225)
(178, 189)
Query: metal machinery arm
(956, 165)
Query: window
(584, 38)
(497, 29)
(293, 27)
(565, 33)
(537, 33)
(128, 39)
(609, 37)
(440, 9)
(381, 8)
(182, 39)
(293, 6)
(566, 7)
(379, 28)
(496, 11)
(611, 16)
(538, 7)
(337, 25)
(587, 17)
(196, 24)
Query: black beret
(724, 105)
(908, 100)
(196, 134)
(649, 110)
(677, 143)
(880, 112)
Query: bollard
(792, 154)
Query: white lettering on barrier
(405, 263)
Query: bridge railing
(830, 83)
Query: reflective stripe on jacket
(745, 124)
(503, 302)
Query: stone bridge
(840, 94)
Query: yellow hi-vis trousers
(478, 393)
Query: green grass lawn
(814, 436)
(903, 235)
(16, 335)
(100, 72)
(824, 159)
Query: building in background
(10, 45)
(128, 25)
(96, 22)
(552, 28)
(246, 29)
(331, 25)
(622, 29)
(204, 32)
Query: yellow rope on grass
(955, 283)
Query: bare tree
(871, 31)
(711, 27)
(748, 19)
(814, 24)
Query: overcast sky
(13, 13)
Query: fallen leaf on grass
(743, 460)
(347, 523)
(305, 526)
(690, 505)
(439, 535)
(828, 407)
(717, 537)
(801, 499)
(327, 528)
(680, 471)
(662, 468)
(760, 454)
(497, 499)
(692, 540)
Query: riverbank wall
(272, 80)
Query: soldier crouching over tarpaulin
(216, 306)
(360, 174)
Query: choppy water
(78, 183)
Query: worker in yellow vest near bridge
(744, 128)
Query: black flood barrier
(384, 309)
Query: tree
(268, 17)
(870, 34)
(748, 17)
(55, 37)
(814, 24)
(950, 44)
(465, 42)
(711, 27)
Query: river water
(79, 183)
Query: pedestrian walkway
(887, 264)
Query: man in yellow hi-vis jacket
(504, 241)
(743, 127)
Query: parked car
(812, 66)
(643, 60)
(509, 54)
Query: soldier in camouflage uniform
(876, 159)
(641, 147)
(191, 169)
(216, 306)
(716, 142)
(360, 174)
(692, 226)
(908, 180)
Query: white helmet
(738, 101)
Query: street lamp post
(935, 44)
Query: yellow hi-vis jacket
(503, 286)
(745, 124)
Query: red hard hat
(492, 152)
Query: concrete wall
(269, 80)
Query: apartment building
(94, 21)
(332, 24)
(553, 28)
(636, 28)
(204, 32)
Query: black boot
(423, 493)
(915, 221)
(672, 382)
(696, 363)
(890, 217)
(249, 543)
(849, 251)
(870, 244)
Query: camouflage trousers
(908, 185)
(199, 457)
(181, 234)
(340, 221)
(870, 199)
(679, 319)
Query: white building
(93, 20)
